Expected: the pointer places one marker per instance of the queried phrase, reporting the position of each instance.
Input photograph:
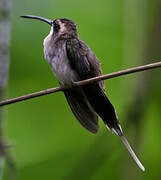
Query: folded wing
(82, 109)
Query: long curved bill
(39, 18)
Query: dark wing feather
(86, 65)
(83, 60)
(82, 109)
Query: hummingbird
(71, 60)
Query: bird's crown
(64, 25)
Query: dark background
(48, 142)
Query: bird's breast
(57, 58)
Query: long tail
(106, 111)
(124, 140)
(119, 132)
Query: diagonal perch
(80, 83)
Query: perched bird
(72, 60)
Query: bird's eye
(56, 26)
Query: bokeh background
(47, 141)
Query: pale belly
(63, 71)
(60, 65)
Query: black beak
(39, 18)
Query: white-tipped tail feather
(124, 140)
(119, 132)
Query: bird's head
(59, 27)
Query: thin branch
(80, 83)
(142, 92)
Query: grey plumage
(68, 68)
(82, 109)
(72, 60)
